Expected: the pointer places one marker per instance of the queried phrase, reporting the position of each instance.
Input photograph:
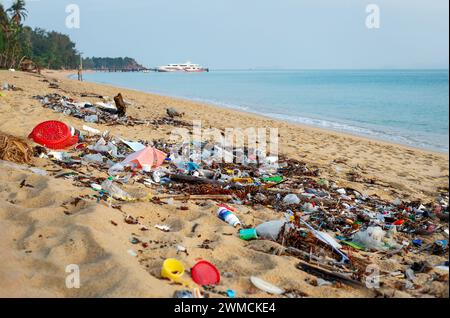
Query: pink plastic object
(149, 156)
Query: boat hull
(182, 71)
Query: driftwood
(182, 197)
(91, 95)
(319, 271)
(191, 179)
(120, 104)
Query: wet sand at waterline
(41, 232)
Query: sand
(42, 232)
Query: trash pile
(101, 112)
(334, 232)
(108, 111)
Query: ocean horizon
(409, 107)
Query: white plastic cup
(227, 216)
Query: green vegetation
(104, 63)
(11, 46)
(49, 49)
(46, 49)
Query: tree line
(46, 49)
(109, 63)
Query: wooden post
(80, 69)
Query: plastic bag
(270, 230)
(372, 238)
(291, 199)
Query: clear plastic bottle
(270, 230)
(114, 191)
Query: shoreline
(68, 74)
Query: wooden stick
(181, 197)
(191, 179)
(341, 277)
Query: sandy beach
(41, 231)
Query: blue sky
(232, 34)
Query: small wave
(396, 137)
(435, 142)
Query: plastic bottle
(180, 163)
(91, 119)
(270, 230)
(114, 190)
(116, 169)
(226, 215)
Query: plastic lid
(205, 273)
(53, 134)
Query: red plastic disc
(53, 134)
(205, 273)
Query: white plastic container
(226, 215)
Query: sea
(409, 107)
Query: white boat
(185, 67)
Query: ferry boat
(186, 67)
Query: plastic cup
(248, 234)
(146, 168)
(172, 269)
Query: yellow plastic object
(173, 270)
(243, 180)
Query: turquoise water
(409, 107)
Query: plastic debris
(371, 238)
(164, 228)
(323, 282)
(91, 130)
(54, 135)
(227, 216)
(183, 294)
(146, 158)
(173, 270)
(231, 293)
(132, 253)
(291, 199)
(248, 234)
(265, 286)
(329, 224)
(115, 191)
(205, 273)
(270, 230)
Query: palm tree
(18, 12)
(4, 20)
(4, 35)
(11, 27)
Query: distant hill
(111, 63)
